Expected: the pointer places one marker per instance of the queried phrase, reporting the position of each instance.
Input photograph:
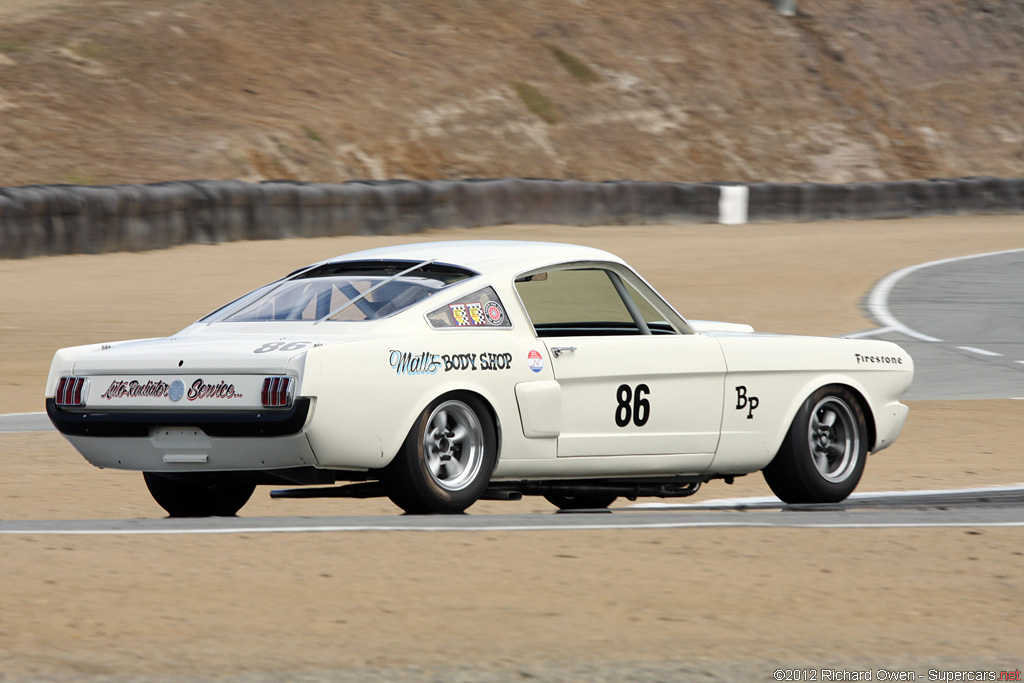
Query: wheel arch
(491, 411)
(417, 479)
(821, 382)
(806, 469)
(869, 414)
(455, 392)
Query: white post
(786, 8)
(732, 204)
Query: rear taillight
(277, 392)
(71, 391)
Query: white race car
(440, 373)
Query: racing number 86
(281, 346)
(633, 407)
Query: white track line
(878, 300)
(682, 524)
(866, 495)
(869, 333)
(508, 527)
(980, 352)
(42, 424)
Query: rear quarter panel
(63, 363)
(369, 393)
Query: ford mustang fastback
(441, 373)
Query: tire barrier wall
(65, 219)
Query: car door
(635, 379)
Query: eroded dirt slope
(116, 91)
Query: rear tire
(447, 459)
(583, 501)
(199, 494)
(823, 455)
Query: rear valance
(138, 423)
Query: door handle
(557, 351)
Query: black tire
(823, 455)
(447, 459)
(582, 501)
(199, 494)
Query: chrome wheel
(453, 445)
(834, 439)
(447, 459)
(822, 458)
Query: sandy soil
(510, 602)
(651, 605)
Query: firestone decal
(428, 363)
(877, 360)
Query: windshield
(345, 291)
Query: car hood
(761, 352)
(719, 327)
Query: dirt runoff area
(651, 605)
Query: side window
(586, 302)
(479, 309)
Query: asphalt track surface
(927, 509)
(961, 319)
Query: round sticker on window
(493, 312)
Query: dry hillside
(107, 91)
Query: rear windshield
(351, 291)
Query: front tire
(447, 459)
(199, 494)
(823, 455)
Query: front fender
(778, 373)
(752, 437)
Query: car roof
(488, 257)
